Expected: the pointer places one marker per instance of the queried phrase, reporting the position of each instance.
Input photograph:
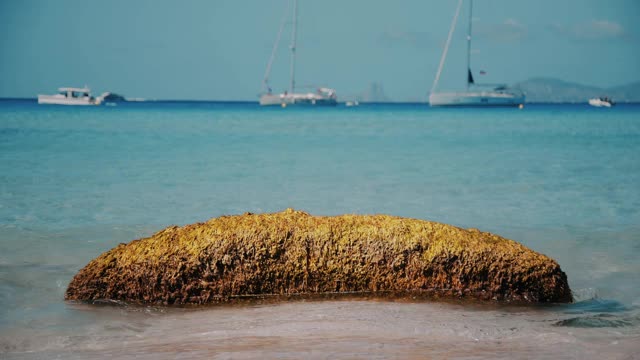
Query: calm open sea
(74, 182)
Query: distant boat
(321, 97)
(109, 97)
(499, 95)
(601, 102)
(71, 96)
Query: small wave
(596, 306)
(597, 321)
(117, 304)
(593, 312)
(584, 294)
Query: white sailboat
(498, 95)
(321, 97)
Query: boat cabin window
(78, 94)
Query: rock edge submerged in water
(292, 252)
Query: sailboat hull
(284, 100)
(479, 98)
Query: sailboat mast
(292, 84)
(469, 81)
(443, 58)
(267, 73)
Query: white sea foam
(310, 329)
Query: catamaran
(322, 96)
(499, 95)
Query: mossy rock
(292, 253)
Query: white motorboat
(71, 96)
(497, 95)
(601, 102)
(321, 97)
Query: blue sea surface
(77, 181)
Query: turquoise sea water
(561, 179)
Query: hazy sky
(219, 49)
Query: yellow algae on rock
(293, 253)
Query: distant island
(537, 90)
(550, 90)
(374, 93)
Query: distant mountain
(558, 91)
(629, 92)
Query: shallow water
(75, 182)
(327, 329)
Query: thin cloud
(401, 37)
(591, 30)
(509, 30)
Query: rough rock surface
(293, 253)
